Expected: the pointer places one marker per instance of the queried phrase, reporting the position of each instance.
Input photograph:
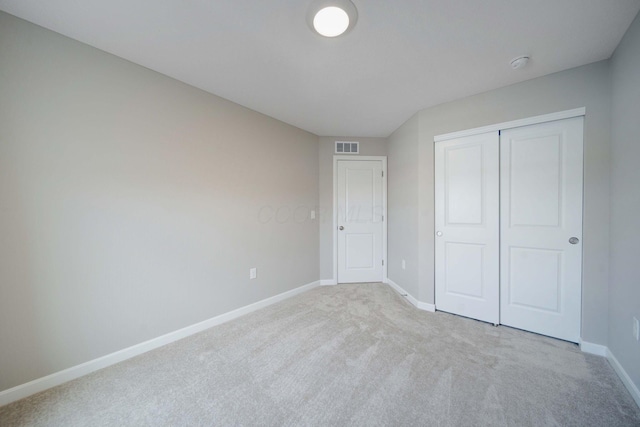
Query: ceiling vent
(347, 147)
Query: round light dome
(331, 18)
(331, 21)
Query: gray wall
(326, 151)
(624, 287)
(402, 184)
(130, 204)
(586, 86)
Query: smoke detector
(519, 62)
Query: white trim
(426, 306)
(401, 291)
(418, 304)
(328, 282)
(626, 379)
(57, 378)
(601, 350)
(591, 348)
(334, 258)
(560, 115)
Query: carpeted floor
(344, 355)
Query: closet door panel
(467, 226)
(541, 228)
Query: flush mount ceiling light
(331, 18)
(519, 62)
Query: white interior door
(467, 226)
(541, 228)
(360, 212)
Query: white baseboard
(626, 379)
(587, 347)
(597, 349)
(426, 306)
(44, 383)
(602, 350)
(328, 282)
(419, 304)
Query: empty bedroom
(319, 213)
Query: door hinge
(382, 262)
(383, 174)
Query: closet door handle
(574, 240)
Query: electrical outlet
(404, 265)
(253, 273)
(636, 329)
(313, 214)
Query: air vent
(347, 147)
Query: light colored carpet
(344, 355)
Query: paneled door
(541, 228)
(360, 210)
(467, 226)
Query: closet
(508, 224)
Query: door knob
(574, 240)
(439, 234)
(341, 228)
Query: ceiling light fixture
(331, 18)
(519, 62)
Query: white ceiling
(402, 56)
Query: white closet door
(467, 226)
(541, 228)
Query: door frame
(336, 159)
(566, 114)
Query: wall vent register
(347, 147)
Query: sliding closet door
(467, 226)
(541, 228)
